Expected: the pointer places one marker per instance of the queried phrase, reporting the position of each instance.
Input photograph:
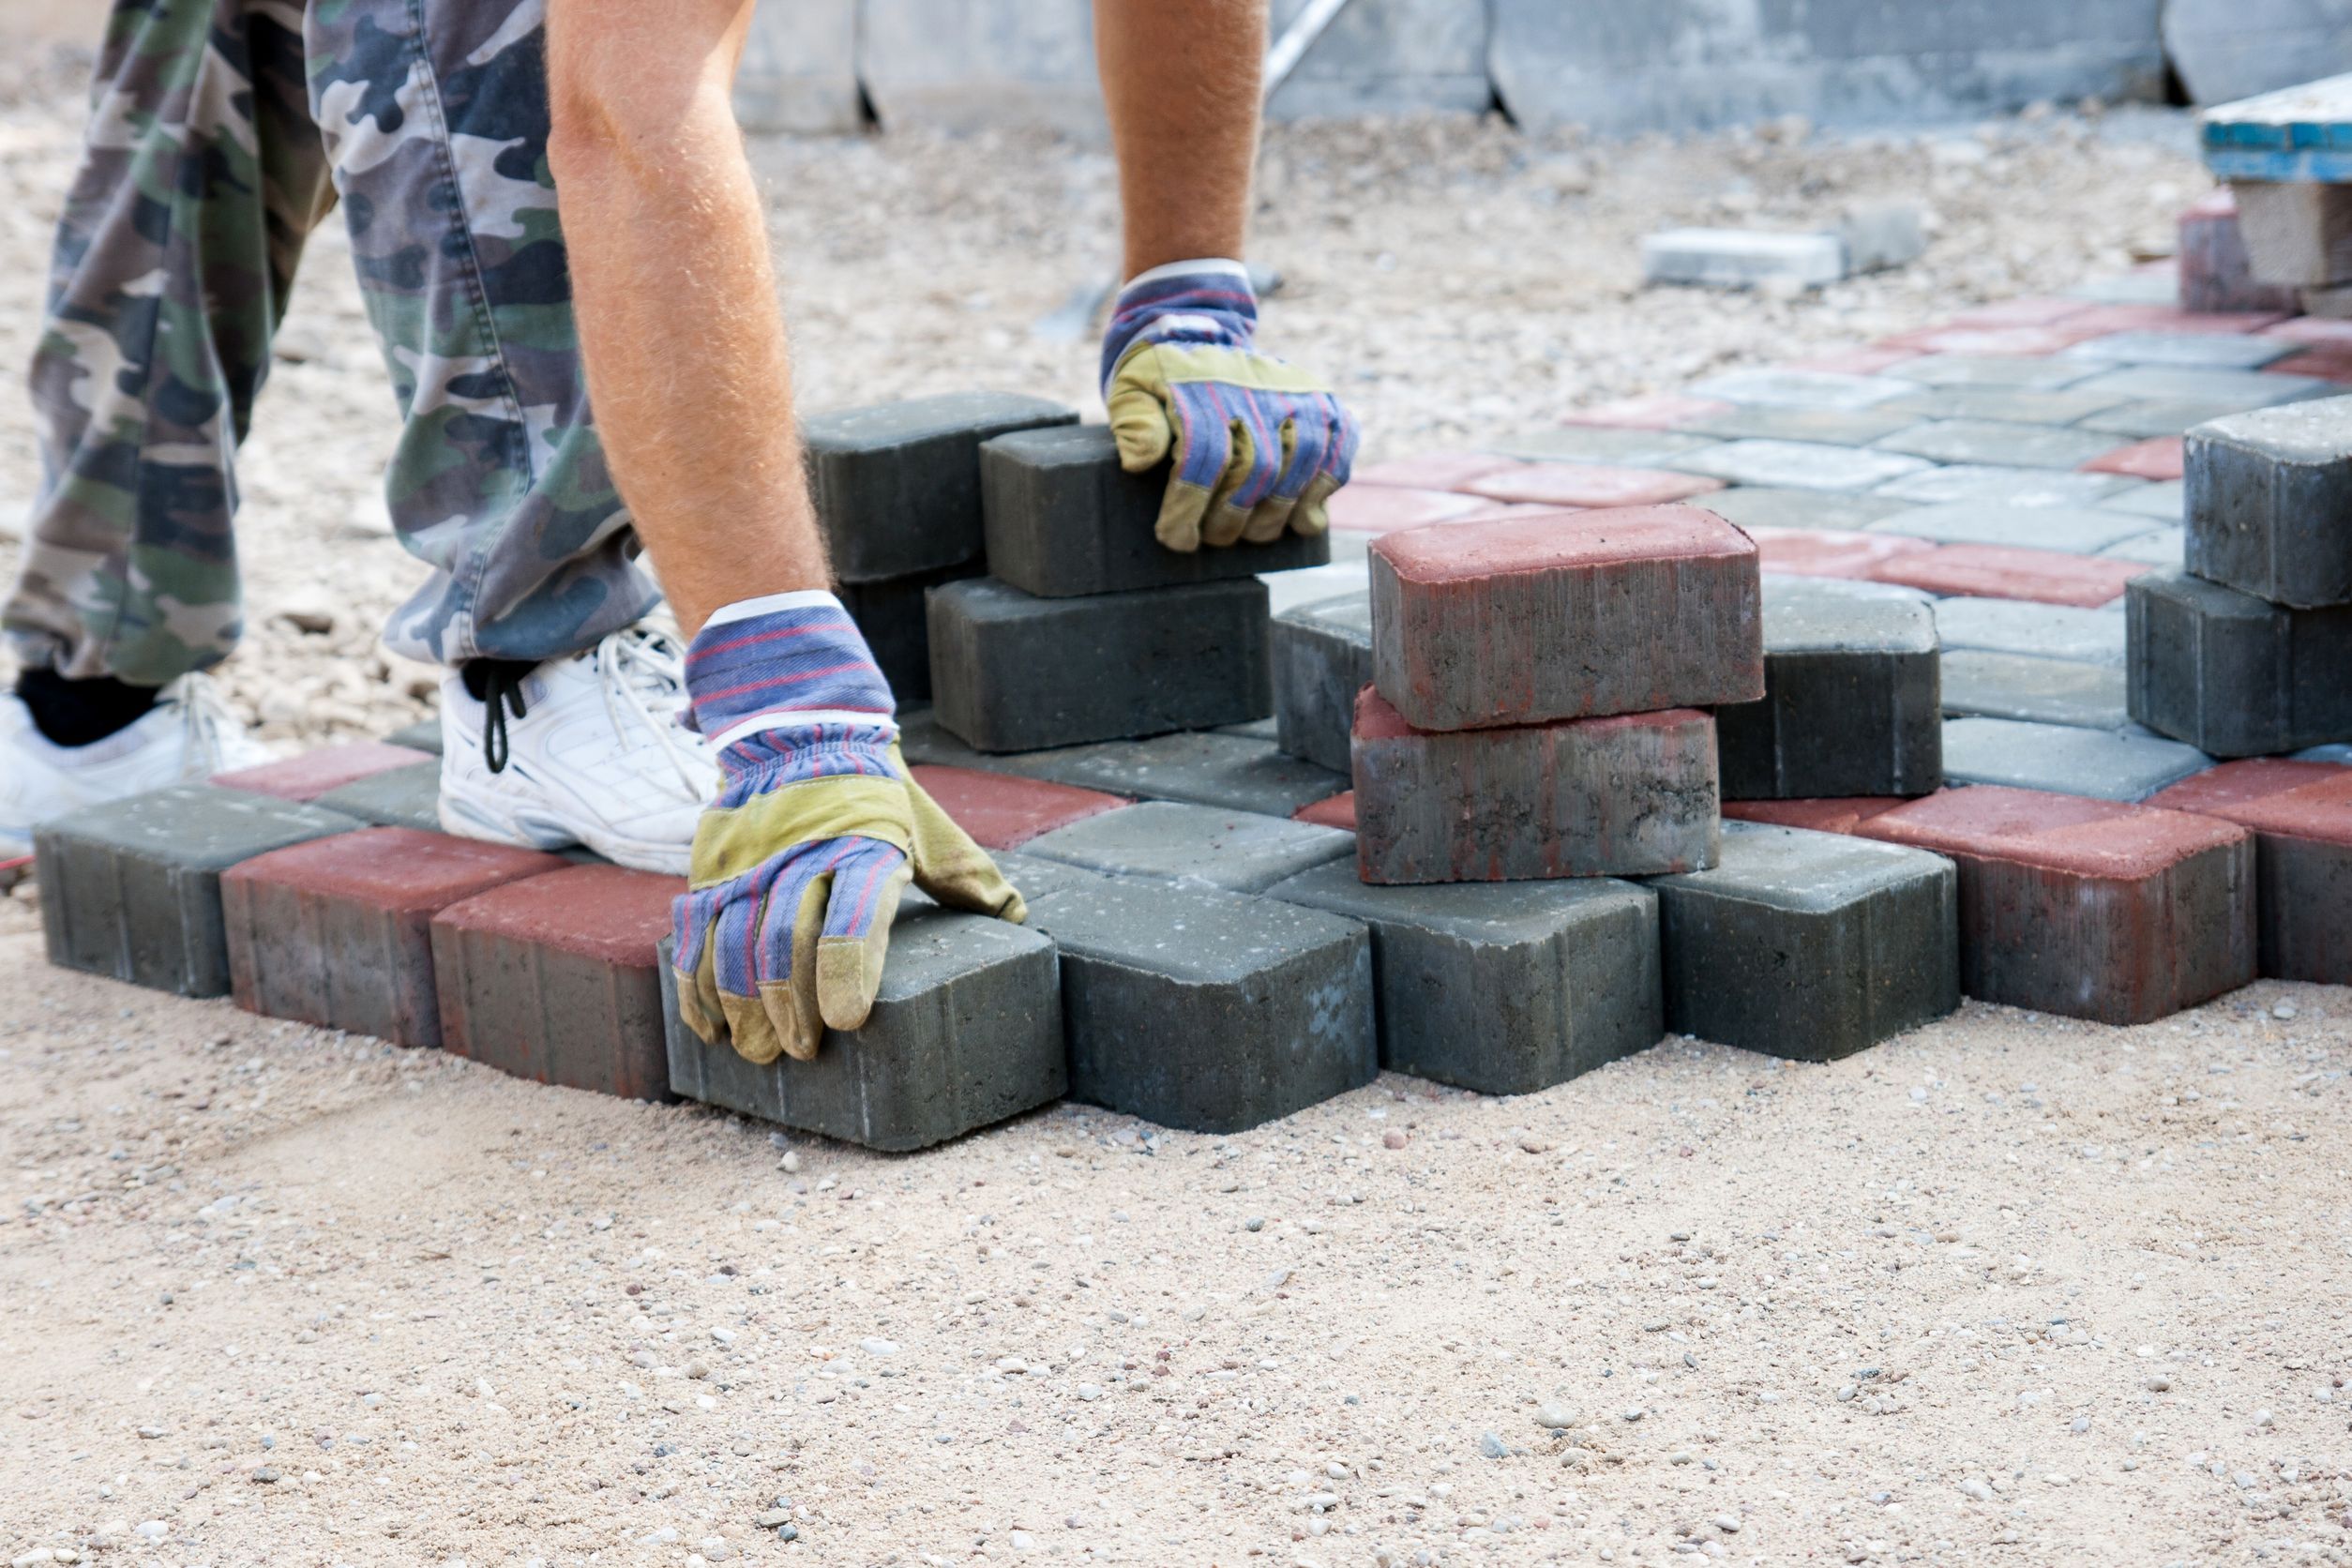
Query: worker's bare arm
(1181, 80)
(675, 296)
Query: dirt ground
(2007, 1289)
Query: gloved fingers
(690, 960)
(783, 1010)
(1142, 420)
(1301, 454)
(951, 868)
(1203, 452)
(1310, 517)
(855, 941)
(1224, 519)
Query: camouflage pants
(220, 133)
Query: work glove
(1259, 444)
(798, 865)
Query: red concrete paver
(2301, 814)
(2101, 320)
(2087, 908)
(2216, 273)
(1659, 411)
(2317, 330)
(1590, 484)
(1433, 471)
(2327, 362)
(337, 932)
(1385, 508)
(2158, 458)
(554, 979)
(1837, 814)
(1830, 552)
(2006, 342)
(2003, 572)
(329, 767)
(1526, 619)
(2231, 787)
(1002, 811)
(1630, 795)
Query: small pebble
(1555, 1416)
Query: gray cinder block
(1986, 441)
(1767, 507)
(1798, 465)
(2063, 760)
(1064, 519)
(1322, 657)
(422, 736)
(2270, 503)
(2006, 485)
(2045, 690)
(897, 486)
(966, 1030)
(1778, 389)
(1202, 845)
(1809, 945)
(397, 797)
(1507, 988)
(1850, 704)
(1239, 771)
(2199, 350)
(1741, 258)
(896, 627)
(131, 889)
(2080, 529)
(1201, 1009)
(1011, 671)
(2233, 389)
(2234, 674)
(2021, 627)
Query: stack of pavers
(2247, 654)
(1536, 728)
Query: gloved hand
(1259, 444)
(798, 865)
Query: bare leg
(679, 326)
(1181, 80)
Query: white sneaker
(187, 738)
(598, 756)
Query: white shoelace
(205, 715)
(643, 671)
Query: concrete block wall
(1670, 65)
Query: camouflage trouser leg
(435, 114)
(217, 127)
(200, 176)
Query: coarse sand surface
(2006, 1290)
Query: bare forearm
(1181, 82)
(676, 299)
